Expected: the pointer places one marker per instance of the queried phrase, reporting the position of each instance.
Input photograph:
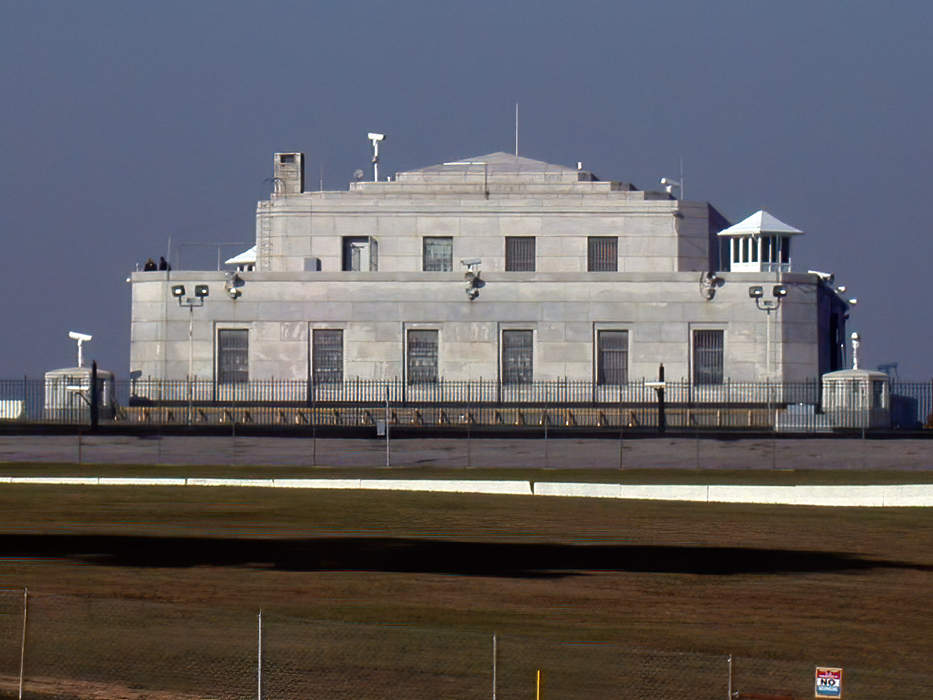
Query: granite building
(496, 267)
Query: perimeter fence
(101, 647)
(676, 405)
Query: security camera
(827, 277)
(81, 337)
(375, 137)
(471, 262)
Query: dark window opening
(520, 254)
(602, 254)
(438, 255)
(422, 357)
(327, 356)
(707, 357)
(517, 357)
(612, 357)
(233, 356)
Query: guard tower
(760, 243)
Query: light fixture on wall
(757, 292)
(201, 292)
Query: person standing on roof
(150, 265)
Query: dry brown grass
(847, 585)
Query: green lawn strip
(767, 477)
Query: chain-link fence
(78, 647)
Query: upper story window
(707, 356)
(360, 254)
(422, 356)
(233, 356)
(612, 357)
(520, 253)
(327, 356)
(602, 254)
(438, 254)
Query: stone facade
(667, 283)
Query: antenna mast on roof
(516, 129)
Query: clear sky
(125, 123)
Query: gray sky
(124, 123)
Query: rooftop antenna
(516, 129)
(82, 338)
(376, 138)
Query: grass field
(848, 587)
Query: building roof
(500, 167)
(497, 163)
(247, 257)
(761, 222)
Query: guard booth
(857, 398)
(67, 391)
(68, 394)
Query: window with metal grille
(517, 357)
(602, 254)
(612, 357)
(327, 356)
(438, 254)
(520, 253)
(232, 356)
(707, 357)
(422, 357)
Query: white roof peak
(761, 222)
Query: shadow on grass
(518, 560)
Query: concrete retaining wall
(862, 496)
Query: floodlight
(81, 337)
(201, 290)
(756, 292)
(853, 301)
(178, 290)
(375, 137)
(779, 291)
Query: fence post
(387, 424)
(95, 397)
(22, 647)
(494, 663)
(731, 676)
(259, 659)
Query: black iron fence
(674, 405)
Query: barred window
(233, 356)
(327, 356)
(438, 254)
(707, 357)
(422, 357)
(612, 357)
(517, 357)
(602, 254)
(520, 253)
